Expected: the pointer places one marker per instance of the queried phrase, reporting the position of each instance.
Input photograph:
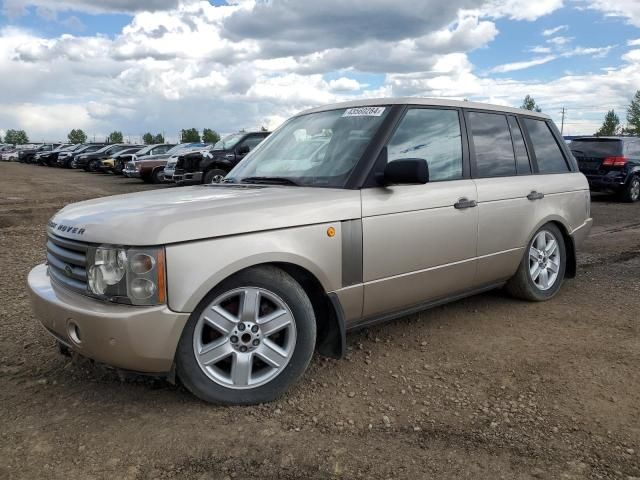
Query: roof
(436, 102)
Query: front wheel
(249, 340)
(214, 176)
(542, 269)
(157, 176)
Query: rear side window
(632, 149)
(252, 142)
(519, 147)
(548, 154)
(492, 143)
(433, 135)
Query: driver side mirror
(243, 150)
(406, 171)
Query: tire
(213, 383)
(214, 176)
(631, 192)
(525, 284)
(157, 176)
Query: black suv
(28, 155)
(67, 159)
(91, 162)
(611, 164)
(213, 166)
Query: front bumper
(188, 177)
(131, 173)
(142, 339)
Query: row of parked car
(186, 163)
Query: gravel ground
(488, 387)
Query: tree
(530, 104)
(77, 136)
(159, 138)
(16, 137)
(115, 137)
(210, 136)
(610, 126)
(633, 115)
(190, 135)
(147, 138)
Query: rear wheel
(214, 176)
(631, 193)
(542, 269)
(249, 340)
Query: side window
(493, 148)
(433, 135)
(548, 154)
(519, 147)
(252, 142)
(632, 149)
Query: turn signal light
(614, 162)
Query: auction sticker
(364, 112)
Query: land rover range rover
(347, 215)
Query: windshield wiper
(269, 181)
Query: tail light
(614, 162)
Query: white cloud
(551, 31)
(540, 49)
(559, 40)
(520, 9)
(512, 67)
(629, 9)
(634, 43)
(13, 8)
(344, 84)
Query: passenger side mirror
(243, 150)
(406, 171)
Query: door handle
(464, 203)
(535, 196)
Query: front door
(419, 241)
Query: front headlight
(127, 275)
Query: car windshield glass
(318, 149)
(228, 142)
(596, 147)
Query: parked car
(151, 169)
(611, 164)
(8, 153)
(91, 162)
(67, 159)
(50, 158)
(414, 203)
(28, 155)
(150, 150)
(211, 166)
(108, 165)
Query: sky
(164, 65)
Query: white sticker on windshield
(364, 112)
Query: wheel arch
(571, 265)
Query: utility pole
(562, 124)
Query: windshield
(228, 142)
(319, 149)
(596, 147)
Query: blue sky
(162, 65)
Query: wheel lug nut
(241, 327)
(234, 339)
(254, 329)
(256, 342)
(243, 349)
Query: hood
(161, 217)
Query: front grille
(130, 166)
(67, 261)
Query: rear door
(502, 171)
(419, 241)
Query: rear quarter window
(547, 151)
(491, 137)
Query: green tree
(210, 136)
(158, 138)
(633, 115)
(190, 135)
(77, 136)
(16, 137)
(115, 137)
(610, 126)
(147, 138)
(530, 104)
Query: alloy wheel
(544, 260)
(244, 338)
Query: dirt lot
(488, 387)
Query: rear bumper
(612, 181)
(141, 339)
